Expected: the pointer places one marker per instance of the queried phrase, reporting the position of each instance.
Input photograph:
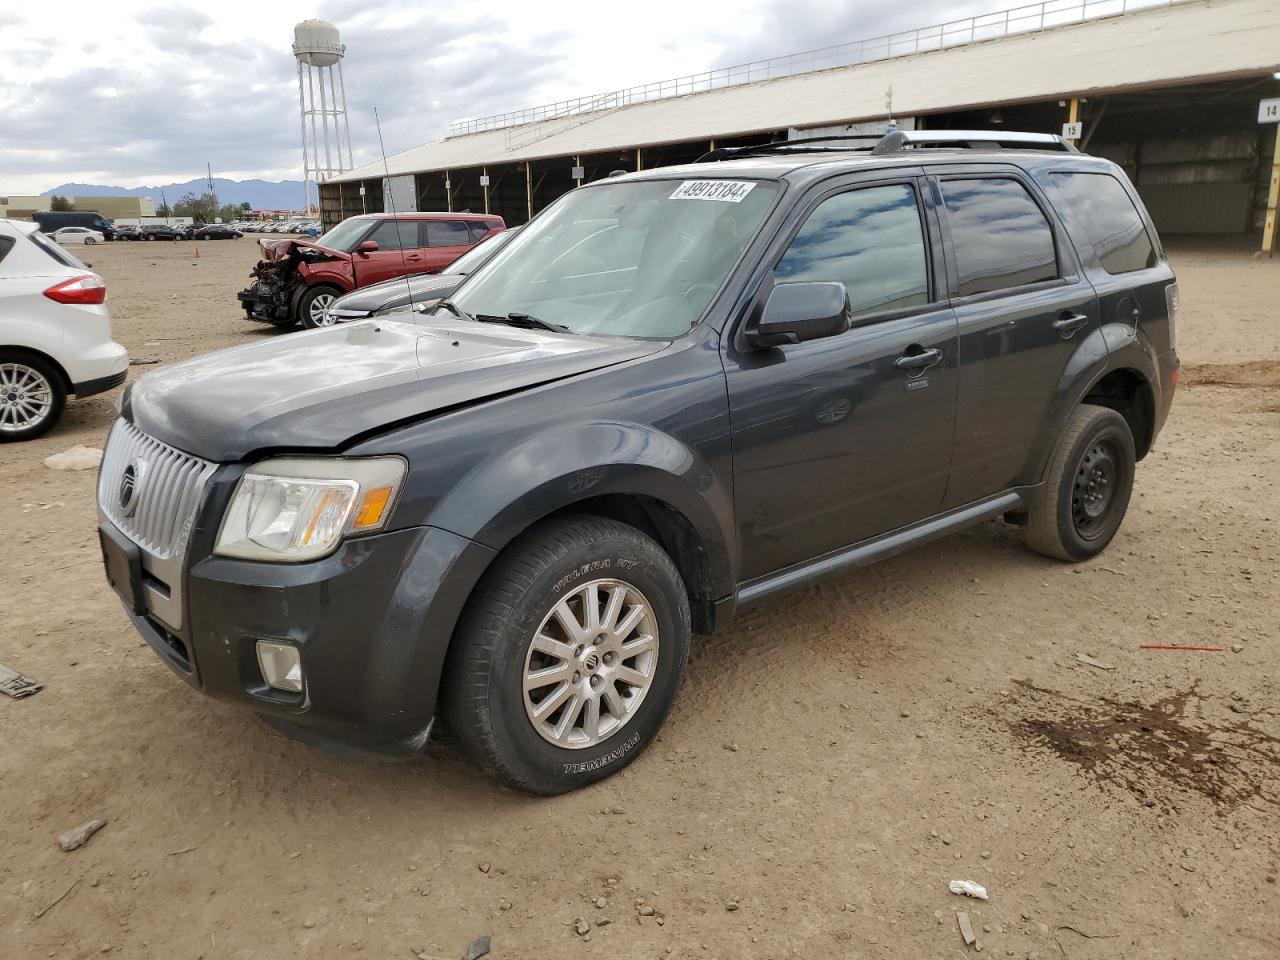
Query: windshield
(474, 259)
(639, 259)
(344, 236)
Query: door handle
(919, 361)
(1069, 323)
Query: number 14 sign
(1269, 111)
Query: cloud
(795, 26)
(100, 93)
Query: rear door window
(448, 233)
(396, 235)
(478, 230)
(1000, 236)
(872, 240)
(1106, 214)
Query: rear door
(841, 439)
(397, 246)
(1023, 305)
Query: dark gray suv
(674, 394)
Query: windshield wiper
(527, 320)
(456, 310)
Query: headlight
(295, 509)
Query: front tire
(1082, 502)
(32, 397)
(90, 241)
(569, 656)
(312, 305)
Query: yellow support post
(528, 186)
(1075, 111)
(713, 143)
(637, 159)
(448, 192)
(485, 172)
(577, 162)
(1273, 199)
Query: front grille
(167, 487)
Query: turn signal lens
(373, 505)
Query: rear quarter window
(1000, 235)
(1105, 213)
(447, 233)
(54, 251)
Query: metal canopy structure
(1178, 43)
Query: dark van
(51, 220)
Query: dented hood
(322, 388)
(281, 248)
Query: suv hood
(322, 388)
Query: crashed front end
(279, 279)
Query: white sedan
(55, 332)
(77, 235)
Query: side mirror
(367, 246)
(795, 312)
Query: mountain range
(260, 194)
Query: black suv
(677, 392)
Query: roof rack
(898, 141)
(799, 145)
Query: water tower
(318, 49)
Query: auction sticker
(726, 191)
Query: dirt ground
(833, 761)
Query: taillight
(1173, 305)
(86, 289)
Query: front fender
(555, 468)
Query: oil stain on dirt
(1159, 752)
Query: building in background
(1168, 89)
(113, 208)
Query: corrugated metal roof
(1150, 48)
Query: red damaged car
(296, 280)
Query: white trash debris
(967, 888)
(77, 458)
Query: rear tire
(1082, 502)
(32, 396)
(550, 705)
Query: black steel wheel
(1082, 502)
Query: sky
(137, 94)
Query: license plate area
(122, 561)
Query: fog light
(281, 665)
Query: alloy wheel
(590, 664)
(26, 397)
(317, 310)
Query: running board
(889, 545)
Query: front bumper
(372, 623)
(259, 304)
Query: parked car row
(299, 226)
(181, 231)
